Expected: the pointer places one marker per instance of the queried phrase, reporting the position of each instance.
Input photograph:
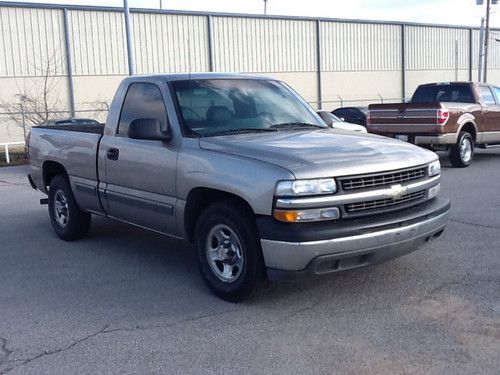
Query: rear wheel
(228, 248)
(462, 152)
(68, 220)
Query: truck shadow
(169, 269)
(481, 157)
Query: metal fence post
(318, 62)
(69, 64)
(403, 62)
(7, 156)
(210, 44)
(23, 119)
(470, 55)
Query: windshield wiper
(295, 125)
(239, 131)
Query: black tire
(459, 158)
(68, 220)
(229, 216)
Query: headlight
(306, 187)
(434, 168)
(299, 216)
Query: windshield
(226, 106)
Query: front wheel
(462, 152)
(68, 220)
(228, 249)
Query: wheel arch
(50, 169)
(200, 198)
(468, 123)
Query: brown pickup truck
(452, 116)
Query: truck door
(140, 174)
(491, 115)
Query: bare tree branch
(38, 100)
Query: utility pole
(161, 4)
(265, 6)
(486, 40)
(481, 53)
(130, 41)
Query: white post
(130, 39)
(7, 156)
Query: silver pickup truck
(245, 169)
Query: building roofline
(230, 15)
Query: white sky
(455, 12)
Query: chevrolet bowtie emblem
(396, 192)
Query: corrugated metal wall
(433, 48)
(176, 42)
(494, 50)
(360, 46)
(97, 43)
(163, 43)
(29, 40)
(287, 47)
(261, 45)
(170, 43)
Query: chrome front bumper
(337, 254)
(443, 139)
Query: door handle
(112, 153)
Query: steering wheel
(267, 116)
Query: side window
(486, 95)
(497, 93)
(143, 100)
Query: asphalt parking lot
(125, 300)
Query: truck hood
(322, 153)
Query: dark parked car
(71, 121)
(354, 115)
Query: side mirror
(148, 128)
(326, 117)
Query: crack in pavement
(188, 320)
(309, 307)
(474, 224)
(4, 348)
(51, 352)
(104, 330)
(11, 183)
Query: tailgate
(405, 118)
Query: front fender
(252, 180)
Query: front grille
(380, 179)
(383, 203)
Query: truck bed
(73, 146)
